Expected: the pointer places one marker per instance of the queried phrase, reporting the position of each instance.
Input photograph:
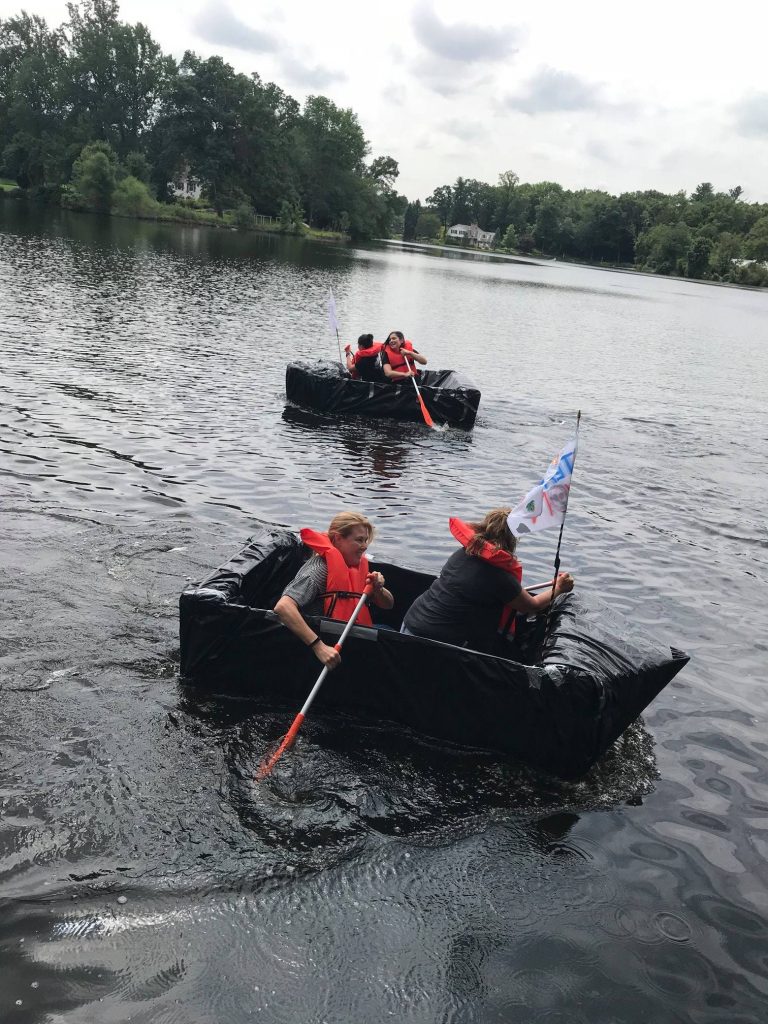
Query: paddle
(539, 586)
(290, 737)
(424, 410)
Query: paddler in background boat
(475, 598)
(364, 364)
(394, 362)
(331, 581)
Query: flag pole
(334, 323)
(560, 535)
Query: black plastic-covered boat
(558, 709)
(326, 387)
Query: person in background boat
(475, 598)
(331, 581)
(398, 357)
(364, 364)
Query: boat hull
(325, 387)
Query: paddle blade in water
(425, 412)
(271, 759)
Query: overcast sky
(592, 94)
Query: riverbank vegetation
(706, 235)
(94, 116)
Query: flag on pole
(545, 504)
(332, 311)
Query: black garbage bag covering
(558, 709)
(326, 387)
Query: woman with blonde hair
(331, 581)
(478, 592)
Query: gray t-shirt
(308, 586)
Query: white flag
(332, 311)
(545, 504)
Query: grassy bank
(141, 206)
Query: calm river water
(143, 428)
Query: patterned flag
(545, 504)
(332, 312)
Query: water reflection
(370, 446)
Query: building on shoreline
(185, 187)
(471, 234)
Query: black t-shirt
(464, 603)
(368, 366)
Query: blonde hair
(493, 530)
(344, 522)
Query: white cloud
(216, 24)
(462, 42)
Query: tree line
(707, 235)
(94, 113)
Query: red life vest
(366, 353)
(494, 556)
(398, 361)
(345, 582)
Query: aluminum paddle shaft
(290, 737)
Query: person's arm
(350, 359)
(289, 614)
(381, 597)
(417, 357)
(530, 605)
(391, 374)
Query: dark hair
(365, 341)
(400, 335)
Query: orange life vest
(398, 361)
(345, 582)
(494, 556)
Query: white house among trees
(471, 234)
(185, 187)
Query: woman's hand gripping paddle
(424, 410)
(289, 739)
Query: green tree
(118, 75)
(132, 198)
(410, 220)
(137, 166)
(331, 149)
(756, 242)
(32, 101)
(244, 217)
(291, 219)
(428, 225)
(663, 249)
(699, 252)
(441, 201)
(726, 250)
(94, 176)
(509, 241)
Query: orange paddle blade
(289, 739)
(425, 411)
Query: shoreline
(207, 220)
(545, 261)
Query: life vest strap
(335, 595)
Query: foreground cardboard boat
(557, 708)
